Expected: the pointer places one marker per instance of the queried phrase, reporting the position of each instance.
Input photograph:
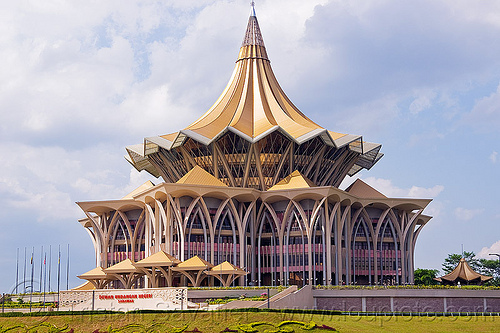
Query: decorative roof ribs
(253, 36)
(254, 136)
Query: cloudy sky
(80, 80)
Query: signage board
(124, 299)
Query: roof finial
(253, 35)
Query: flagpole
(41, 269)
(58, 276)
(44, 276)
(67, 271)
(17, 268)
(32, 272)
(50, 264)
(24, 276)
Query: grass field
(240, 322)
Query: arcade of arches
(317, 235)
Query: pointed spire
(252, 13)
(253, 36)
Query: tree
(425, 276)
(491, 268)
(453, 259)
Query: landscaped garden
(241, 321)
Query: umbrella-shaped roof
(198, 176)
(160, 258)
(293, 180)
(96, 273)
(465, 273)
(193, 263)
(125, 266)
(85, 286)
(226, 268)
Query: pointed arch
(361, 251)
(297, 250)
(267, 254)
(319, 253)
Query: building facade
(255, 182)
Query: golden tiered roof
(253, 103)
(246, 136)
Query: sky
(80, 80)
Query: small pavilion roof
(193, 263)
(226, 268)
(198, 176)
(362, 190)
(160, 258)
(464, 272)
(293, 180)
(96, 273)
(85, 286)
(125, 266)
(147, 185)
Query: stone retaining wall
(407, 300)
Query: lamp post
(495, 254)
(498, 255)
(268, 298)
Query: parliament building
(253, 183)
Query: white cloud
(485, 251)
(435, 56)
(465, 214)
(45, 182)
(364, 119)
(422, 102)
(435, 209)
(386, 187)
(426, 136)
(493, 157)
(485, 114)
(422, 192)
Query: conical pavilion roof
(293, 180)
(198, 176)
(465, 273)
(146, 186)
(96, 273)
(125, 266)
(193, 263)
(160, 258)
(226, 268)
(84, 286)
(361, 189)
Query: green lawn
(219, 321)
